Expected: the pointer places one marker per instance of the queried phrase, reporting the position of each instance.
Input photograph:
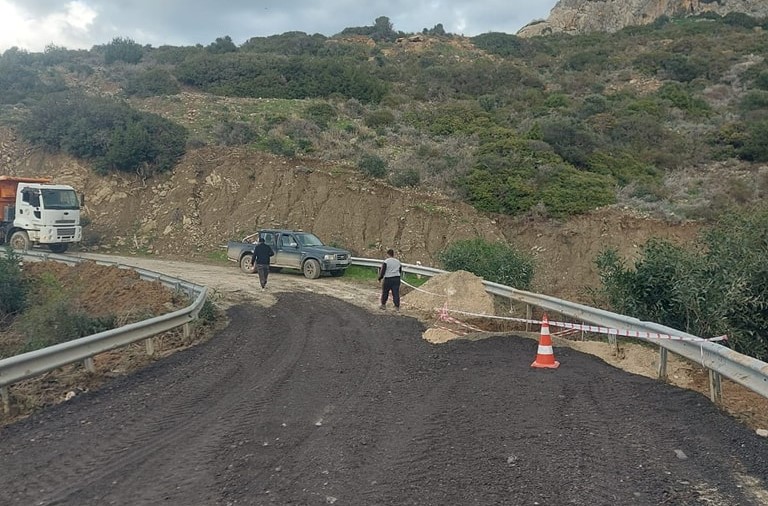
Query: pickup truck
(293, 250)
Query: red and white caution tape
(584, 328)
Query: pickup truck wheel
(59, 247)
(246, 264)
(337, 273)
(20, 240)
(311, 269)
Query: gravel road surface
(307, 398)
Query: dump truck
(34, 211)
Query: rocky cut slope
(584, 16)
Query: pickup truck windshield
(60, 199)
(308, 240)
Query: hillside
(216, 194)
(561, 146)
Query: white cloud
(81, 24)
(69, 26)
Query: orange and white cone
(545, 357)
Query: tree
(222, 45)
(717, 285)
(121, 49)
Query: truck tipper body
(34, 211)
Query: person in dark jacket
(262, 254)
(390, 272)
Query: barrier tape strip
(565, 325)
(585, 328)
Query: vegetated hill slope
(216, 194)
(449, 138)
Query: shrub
(492, 261)
(121, 49)
(58, 321)
(234, 133)
(379, 118)
(13, 291)
(755, 148)
(321, 114)
(718, 285)
(280, 145)
(373, 166)
(107, 132)
(150, 83)
(683, 99)
(405, 177)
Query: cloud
(32, 24)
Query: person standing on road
(262, 254)
(389, 276)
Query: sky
(81, 24)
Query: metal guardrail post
(663, 357)
(150, 344)
(89, 365)
(715, 387)
(6, 400)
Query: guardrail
(34, 363)
(719, 360)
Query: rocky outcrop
(584, 16)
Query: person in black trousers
(390, 272)
(262, 254)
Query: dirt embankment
(216, 194)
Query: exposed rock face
(584, 16)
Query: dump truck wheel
(20, 240)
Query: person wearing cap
(390, 272)
(262, 253)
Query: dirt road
(307, 398)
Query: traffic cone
(545, 357)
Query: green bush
(755, 147)
(122, 49)
(718, 285)
(19, 82)
(321, 114)
(248, 74)
(380, 118)
(58, 321)
(406, 177)
(373, 166)
(492, 261)
(278, 144)
(105, 131)
(683, 99)
(150, 83)
(13, 290)
(234, 133)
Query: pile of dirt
(101, 290)
(447, 293)
(97, 290)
